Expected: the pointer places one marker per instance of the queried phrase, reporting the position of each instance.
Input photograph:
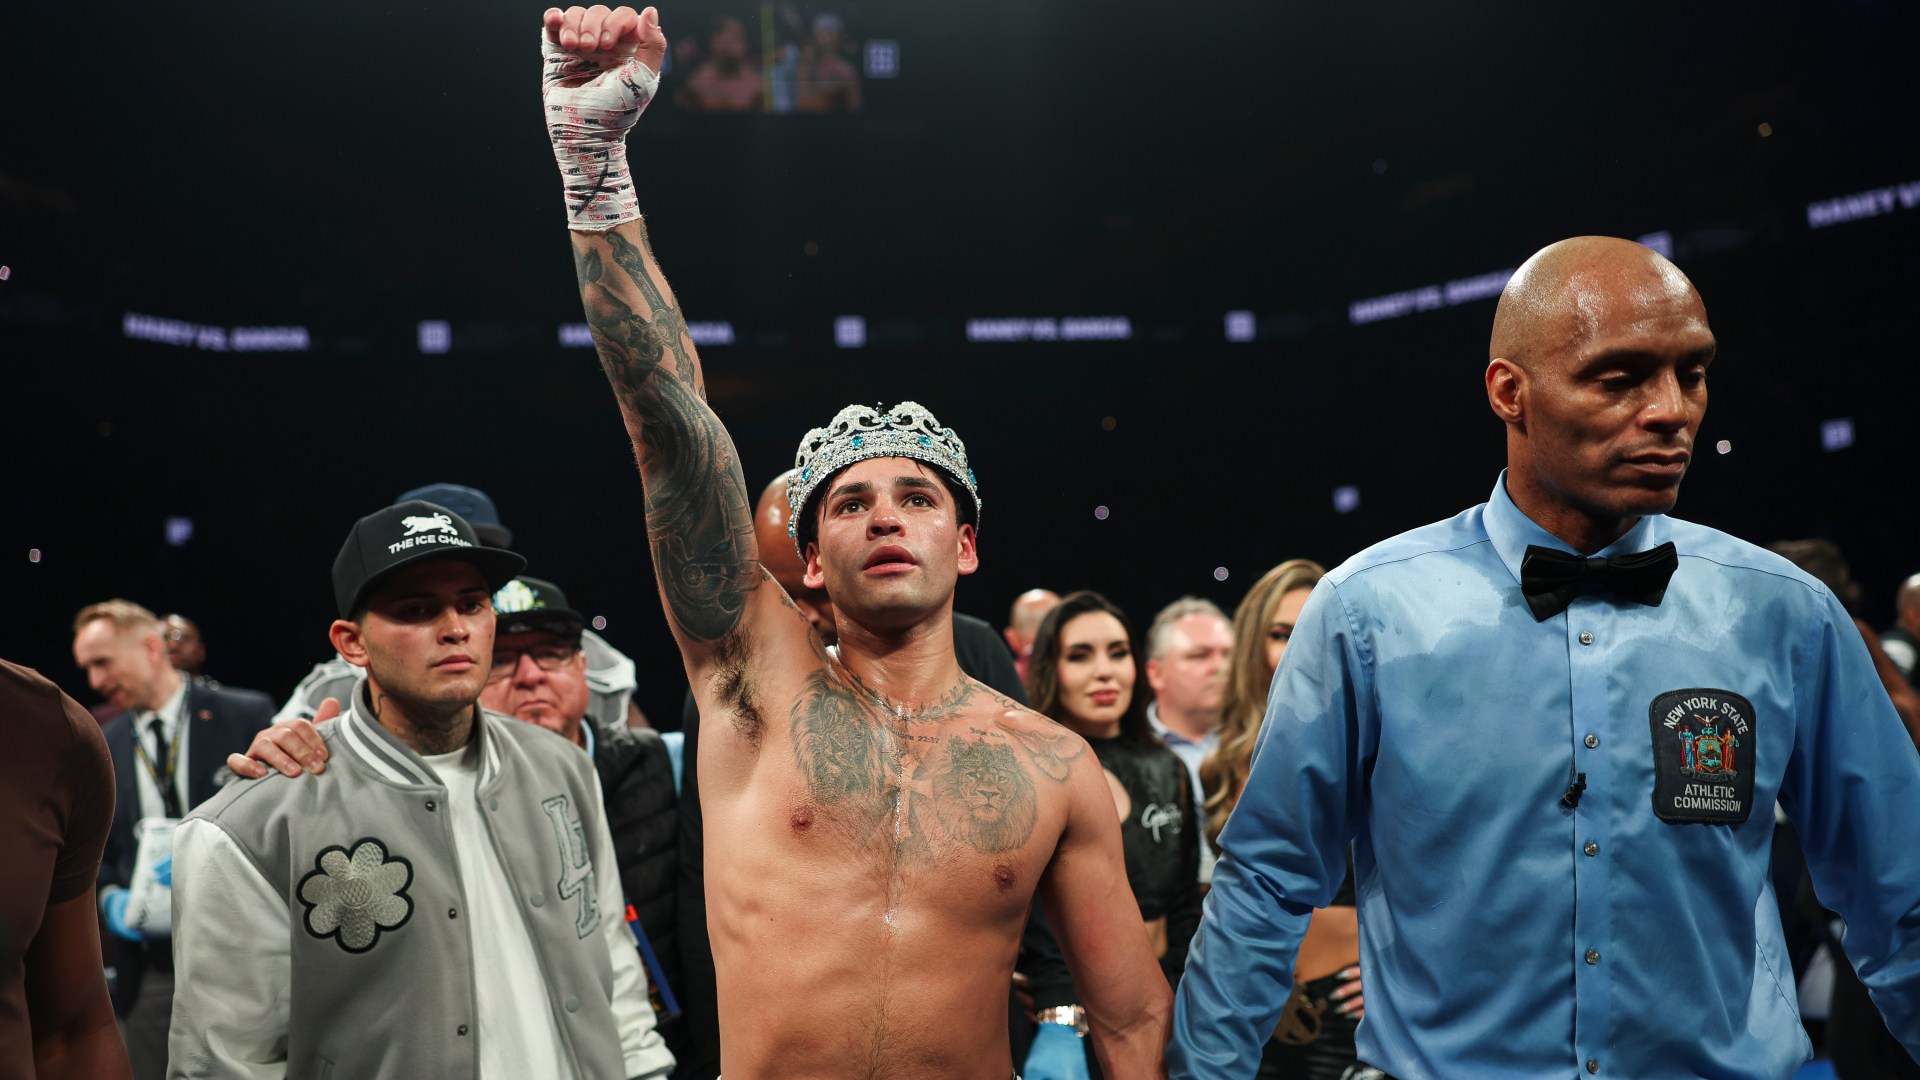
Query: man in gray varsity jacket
(442, 900)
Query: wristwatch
(1073, 1016)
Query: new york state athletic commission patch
(1703, 756)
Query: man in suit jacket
(168, 738)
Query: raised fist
(600, 68)
(596, 32)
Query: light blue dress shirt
(1421, 713)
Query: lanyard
(162, 784)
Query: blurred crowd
(790, 62)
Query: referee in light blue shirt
(1554, 729)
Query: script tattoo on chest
(909, 777)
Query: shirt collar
(170, 713)
(586, 733)
(1170, 736)
(1511, 531)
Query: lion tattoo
(984, 797)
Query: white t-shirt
(518, 1036)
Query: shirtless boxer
(878, 823)
(885, 819)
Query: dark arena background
(1203, 287)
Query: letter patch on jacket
(1703, 756)
(576, 862)
(352, 895)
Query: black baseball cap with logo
(527, 604)
(407, 533)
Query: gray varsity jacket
(382, 966)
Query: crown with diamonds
(857, 433)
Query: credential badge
(1704, 743)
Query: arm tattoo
(699, 523)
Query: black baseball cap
(527, 604)
(406, 533)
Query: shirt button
(454, 912)
(1593, 741)
(461, 1030)
(1591, 848)
(1593, 956)
(1586, 638)
(1593, 1066)
(493, 803)
(538, 899)
(429, 806)
(573, 1004)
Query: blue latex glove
(163, 871)
(114, 907)
(1057, 1054)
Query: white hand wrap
(591, 102)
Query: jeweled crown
(857, 433)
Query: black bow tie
(1551, 579)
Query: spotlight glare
(599, 622)
(1101, 512)
(1723, 446)
(433, 336)
(1219, 573)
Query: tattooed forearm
(699, 522)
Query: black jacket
(636, 784)
(221, 720)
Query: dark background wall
(358, 169)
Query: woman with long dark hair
(1083, 674)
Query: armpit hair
(733, 689)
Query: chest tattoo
(908, 777)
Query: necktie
(160, 757)
(1550, 579)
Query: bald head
(777, 554)
(1907, 604)
(1569, 292)
(1598, 367)
(1024, 620)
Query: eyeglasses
(546, 657)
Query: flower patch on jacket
(353, 895)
